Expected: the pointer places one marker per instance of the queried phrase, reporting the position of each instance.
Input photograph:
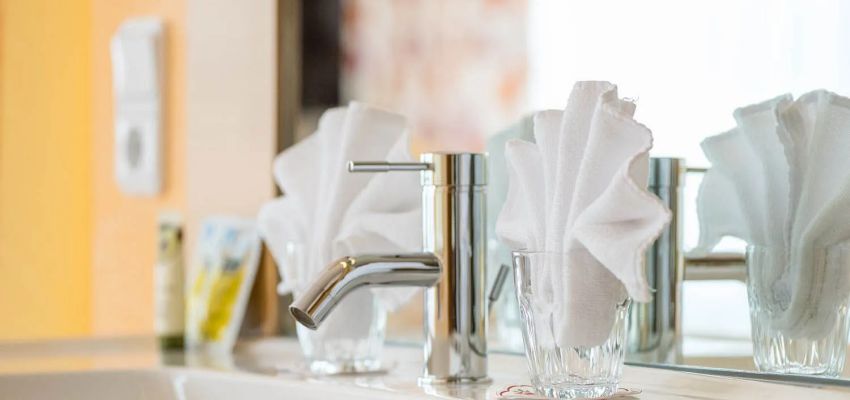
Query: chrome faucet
(451, 266)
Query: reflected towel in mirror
(781, 178)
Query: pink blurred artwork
(457, 69)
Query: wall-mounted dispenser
(137, 76)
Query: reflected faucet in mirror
(451, 266)
(655, 327)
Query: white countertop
(279, 360)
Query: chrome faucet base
(452, 266)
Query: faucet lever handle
(385, 166)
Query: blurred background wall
(76, 254)
(231, 124)
(124, 228)
(46, 168)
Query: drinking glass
(565, 371)
(351, 338)
(821, 350)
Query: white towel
(581, 190)
(781, 178)
(332, 213)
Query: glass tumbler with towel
(563, 370)
(781, 186)
(326, 213)
(577, 204)
(818, 349)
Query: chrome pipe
(384, 166)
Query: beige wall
(231, 107)
(220, 137)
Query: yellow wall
(45, 168)
(125, 227)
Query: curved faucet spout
(349, 273)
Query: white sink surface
(272, 369)
(173, 384)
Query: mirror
(464, 71)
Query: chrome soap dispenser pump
(452, 266)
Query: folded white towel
(781, 178)
(332, 213)
(581, 190)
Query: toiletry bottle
(169, 300)
(227, 257)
